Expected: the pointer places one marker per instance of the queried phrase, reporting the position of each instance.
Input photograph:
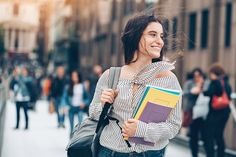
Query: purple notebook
(151, 113)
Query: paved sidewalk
(43, 139)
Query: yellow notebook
(160, 96)
(154, 107)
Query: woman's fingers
(108, 95)
(104, 100)
(110, 92)
(125, 135)
(107, 98)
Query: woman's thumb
(116, 92)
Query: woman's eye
(153, 35)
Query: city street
(62, 50)
(44, 139)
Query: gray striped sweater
(126, 103)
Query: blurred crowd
(68, 94)
(206, 109)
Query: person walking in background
(97, 72)
(57, 88)
(192, 89)
(216, 118)
(87, 95)
(21, 87)
(47, 82)
(75, 98)
(143, 42)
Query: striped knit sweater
(126, 103)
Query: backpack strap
(114, 75)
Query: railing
(2, 114)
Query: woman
(143, 42)
(192, 89)
(21, 89)
(75, 99)
(216, 118)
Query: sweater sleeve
(154, 132)
(96, 107)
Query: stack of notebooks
(155, 107)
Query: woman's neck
(140, 63)
(132, 69)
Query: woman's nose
(159, 41)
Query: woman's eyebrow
(155, 32)
(152, 32)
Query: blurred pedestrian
(97, 72)
(21, 86)
(46, 86)
(142, 41)
(217, 118)
(192, 89)
(87, 95)
(75, 98)
(57, 88)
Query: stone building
(100, 26)
(207, 31)
(20, 20)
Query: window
(204, 33)
(16, 42)
(16, 9)
(113, 44)
(228, 16)
(128, 8)
(192, 31)
(114, 10)
(174, 30)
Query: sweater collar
(149, 72)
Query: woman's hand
(82, 106)
(108, 95)
(196, 90)
(129, 128)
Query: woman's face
(151, 41)
(24, 72)
(74, 77)
(197, 76)
(212, 76)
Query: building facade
(20, 20)
(44, 38)
(207, 33)
(100, 26)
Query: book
(155, 107)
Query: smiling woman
(144, 47)
(145, 34)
